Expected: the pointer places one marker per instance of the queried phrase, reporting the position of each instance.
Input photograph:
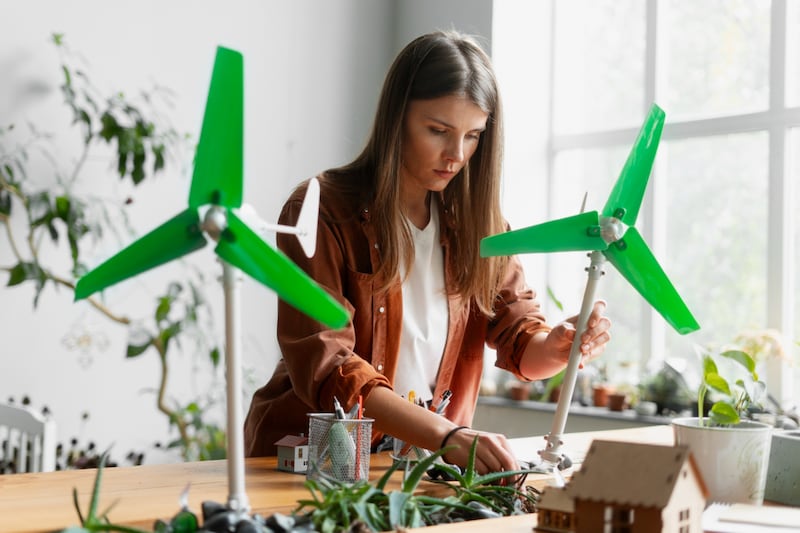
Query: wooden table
(43, 502)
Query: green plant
(739, 393)
(93, 521)
(52, 207)
(337, 506)
(667, 389)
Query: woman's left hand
(593, 340)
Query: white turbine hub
(215, 222)
(612, 229)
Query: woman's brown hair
(437, 64)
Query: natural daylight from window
(720, 209)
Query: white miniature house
(293, 453)
(627, 487)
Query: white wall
(313, 71)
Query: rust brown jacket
(319, 363)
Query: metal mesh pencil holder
(338, 448)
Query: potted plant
(47, 213)
(667, 389)
(731, 451)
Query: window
(719, 213)
(684, 525)
(618, 520)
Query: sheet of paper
(744, 518)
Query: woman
(398, 245)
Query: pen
(337, 409)
(445, 400)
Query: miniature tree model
(216, 188)
(608, 235)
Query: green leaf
(8, 173)
(62, 210)
(169, 333)
(214, 355)
(5, 203)
(723, 413)
(717, 382)
(163, 308)
(413, 478)
(122, 162)
(397, 507)
(24, 271)
(709, 366)
(110, 128)
(136, 350)
(158, 155)
(67, 76)
(555, 300)
(743, 359)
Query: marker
(342, 449)
(337, 409)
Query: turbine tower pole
(237, 497)
(551, 453)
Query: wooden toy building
(293, 453)
(621, 486)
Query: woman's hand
(593, 340)
(493, 453)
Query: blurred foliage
(47, 208)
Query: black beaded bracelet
(450, 434)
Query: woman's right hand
(493, 453)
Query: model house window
(720, 211)
(618, 520)
(683, 517)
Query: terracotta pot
(617, 401)
(600, 395)
(555, 394)
(520, 391)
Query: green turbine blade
(575, 233)
(626, 196)
(217, 177)
(634, 260)
(177, 237)
(242, 248)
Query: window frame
(777, 121)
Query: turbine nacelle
(611, 229)
(215, 222)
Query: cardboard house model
(293, 453)
(628, 487)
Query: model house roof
(632, 474)
(292, 441)
(557, 499)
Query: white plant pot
(732, 460)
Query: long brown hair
(437, 64)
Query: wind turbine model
(607, 235)
(217, 187)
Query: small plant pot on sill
(732, 460)
(600, 395)
(520, 391)
(617, 401)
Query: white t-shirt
(425, 314)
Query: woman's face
(439, 137)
